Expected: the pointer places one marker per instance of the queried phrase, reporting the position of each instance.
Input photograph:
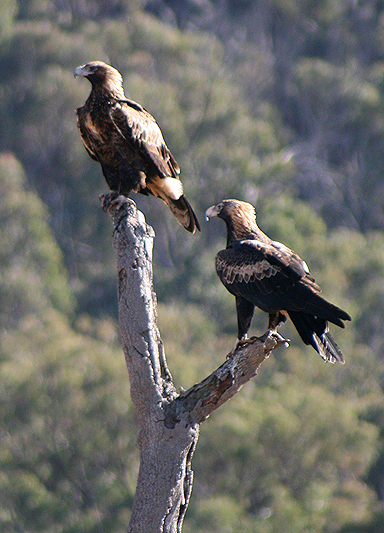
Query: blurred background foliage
(276, 102)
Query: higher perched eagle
(267, 274)
(127, 142)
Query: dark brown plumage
(127, 142)
(267, 274)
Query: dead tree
(169, 421)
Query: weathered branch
(169, 422)
(208, 395)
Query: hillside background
(276, 102)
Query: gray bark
(169, 422)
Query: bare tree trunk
(169, 422)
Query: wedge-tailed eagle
(127, 142)
(267, 274)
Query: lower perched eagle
(127, 142)
(267, 274)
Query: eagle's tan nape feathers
(243, 217)
(113, 82)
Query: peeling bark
(169, 422)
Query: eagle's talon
(108, 199)
(240, 344)
(280, 340)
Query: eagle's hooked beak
(80, 71)
(212, 211)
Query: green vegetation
(277, 103)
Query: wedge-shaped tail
(314, 332)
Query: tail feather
(328, 348)
(170, 190)
(314, 332)
(319, 307)
(184, 213)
